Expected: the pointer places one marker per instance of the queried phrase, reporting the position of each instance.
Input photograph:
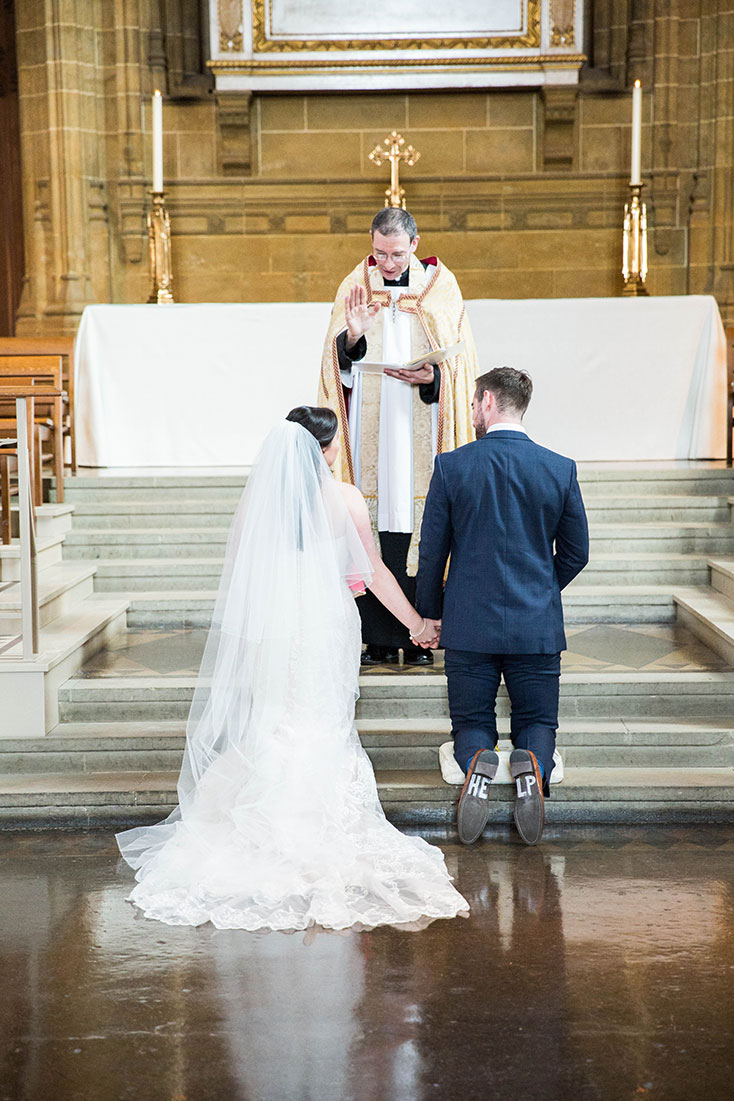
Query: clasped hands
(430, 636)
(359, 318)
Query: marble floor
(596, 648)
(599, 965)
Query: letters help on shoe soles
(478, 785)
(529, 805)
(474, 801)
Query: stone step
(409, 797)
(146, 543)
(60, 588)
(133, 487)
(627, 485)
(77, 748)
(655, 509)
(645, 527)
(175, 609)
(609, 479)
(705, 541)
(51, 520)
(185, 514)
(590, 695)
(203, 541)
(48, 553)
(722, 576)
(29, 689)
(217, 512)
(644, 569)
(709, 615)
(618, 604)
(592, 604)
(639, 479)
(131, 575)
(422, 695)
(648, 571)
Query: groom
(510, 515)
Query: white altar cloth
(200, 385)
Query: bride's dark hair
(319, 421)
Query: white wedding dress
(279, 825)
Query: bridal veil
(278, 824)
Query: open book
(435, 357)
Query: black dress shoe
(529, 802)
(416, 656)
(473, 812)
(380, 655)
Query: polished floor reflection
(598, 965)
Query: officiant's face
(393, 253)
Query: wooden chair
(51, 345)
(41, 372)
(9, 428)
(7, 489)
(39, 390)
(729, 393)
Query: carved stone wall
(520, 191)
(11, 219)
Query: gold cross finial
(395, 152)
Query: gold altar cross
(395, 153)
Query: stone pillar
(559, 118)
(711, 198)
(58, 83)
(661, 140)
(723, 183)
(234, 133)
(139, 67)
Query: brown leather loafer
(529, 801)
(473, 812)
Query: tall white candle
(635, 174)
(157, 141)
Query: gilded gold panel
(527, 38)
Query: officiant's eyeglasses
(396, 257)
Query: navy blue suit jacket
(510, 515)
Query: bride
(279, 825)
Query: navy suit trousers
(532, 682)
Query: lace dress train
(288, 831)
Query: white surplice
(395, 453)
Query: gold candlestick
(634, 243)
(159, 250)
(395, 152)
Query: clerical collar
(403, 281)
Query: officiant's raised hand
(358, 315)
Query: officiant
(393, 309)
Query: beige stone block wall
(455, 133)
(520, 192)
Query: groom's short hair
(512, 389)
